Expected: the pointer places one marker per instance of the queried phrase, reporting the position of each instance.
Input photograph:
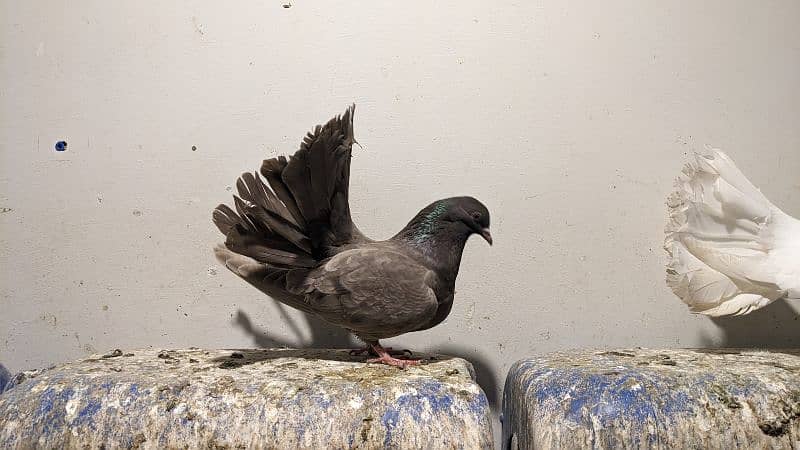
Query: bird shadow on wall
(321, 334)
(776, 326)
(324, 335)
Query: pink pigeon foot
(384, 357)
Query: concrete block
(719, 399)
(245, 399)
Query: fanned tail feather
(317, 179)
(302, 210)
(259, 229)
(717, 235)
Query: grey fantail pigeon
(293, 238)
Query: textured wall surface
(570, 120)
(654, 399)
(245, 399)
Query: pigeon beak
(487, 235)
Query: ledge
(245, 398)
(654, 399)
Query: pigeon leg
(385, 358)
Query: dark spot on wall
(50, 319)
(194, 148)
(198, 27)
(287, 5)
(137, 213)
(5, 210)
(61, 146)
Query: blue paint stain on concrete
(5, 377)
(479, 405)
(678, 404)
(607, 399)
(413, 406)
(86, 414)
(50, 413)
(321, 401)
(61, 146)
(743, 390)
(66, 394)
(46, 401)
(389, 421)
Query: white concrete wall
(569, 120)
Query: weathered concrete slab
(654, 399)
(245, 399)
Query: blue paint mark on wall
(61, 146)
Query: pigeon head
(470, 213)
(456, 216)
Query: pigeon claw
(360, 351)
(384, 355)
(368, 350)
(390, 360)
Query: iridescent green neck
(427, 223)
(440, 241)
(423, 226)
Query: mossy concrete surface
(283, 399)
(640, 398)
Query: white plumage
(731, 250)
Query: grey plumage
(293, 238)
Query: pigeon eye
(476, 215)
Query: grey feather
(271, 169)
